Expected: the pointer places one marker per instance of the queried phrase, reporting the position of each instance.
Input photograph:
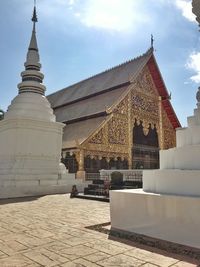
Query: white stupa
(168, 206)
(30, 138)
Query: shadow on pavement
(18, 200)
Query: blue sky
(79, 38)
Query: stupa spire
(32, 77)
(34, 18)
(33, 42)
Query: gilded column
(81, 172)
(130, 132)
(161, 135)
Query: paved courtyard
(50, 231)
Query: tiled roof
(92, 97)
(78, 132)
(90, 106)
(99, 83)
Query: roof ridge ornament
(152, 40)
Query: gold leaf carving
(117, 131)
(169, 132)
(115, 137)
(145, 82)
(97, 138)
(122, 107)
(144, 104)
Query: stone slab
(34, 232)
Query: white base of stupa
(172, 182)
(30, 152)
(30, 185)
(168, 217)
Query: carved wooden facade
(114, 139)
(104, 112)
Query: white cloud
(72, 2)
(115, 15)
(186, 8)
(194, 64)
(58, 12)
(194, 59)
(55, 9)
(112, 14)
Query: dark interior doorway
(145, 151)
(70, 162)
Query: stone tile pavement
(50, 231)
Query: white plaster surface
(41, 185)
(189, 135)
(29, 154)
(167, 217)
(176, 182)
(30, 106)
(180, 166)
(168, 206)
(30, 150)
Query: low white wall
(186, 157)
(177, 182)
(171, 218)
(30, 186)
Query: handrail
(128, 175)
(92, 176)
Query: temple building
(118, 119)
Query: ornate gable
(145, 83)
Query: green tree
(1, 114)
